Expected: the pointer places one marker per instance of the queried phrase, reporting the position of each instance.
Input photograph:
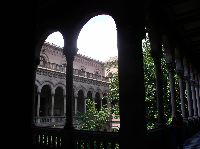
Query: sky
(97, 39)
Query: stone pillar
(169, 56)
(179, 70)
(170, 67)
(182, 93)
(199, 84)
(75, 104)
(156, 53)
(64, 105)
(197, 93)
(131, 80)
(69, 52)
(188, 87)
(52, 105)
(85, 104)
(193, 92)
(101, 97)
(70, 42)
(38, 105)
(189, 99)
(36, 63)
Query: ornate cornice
(62, 75)
(51, 46)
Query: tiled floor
(193, 143)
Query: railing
(59, 121)
(95, 139)
(50, 121)
(76, 72)
(54, 138)
(47, 138)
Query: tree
(93, 119)
(113, 94)
(97, 120)
(150, 87)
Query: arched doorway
(80, 102)
(59, 102)
(45, 102)
(97, 101)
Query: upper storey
(51, 53)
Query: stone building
(89, 81)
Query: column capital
(70, 52)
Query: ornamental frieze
(61, 75)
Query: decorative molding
(56, 50)
(62, 75)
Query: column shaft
(182, 95)
(197, 98)
(64, 105)
(38, 105)
(194, 99)
(131, 88)
(75, 105)
(172, 88)
(189, 99)
(159, 91)
(52, 105)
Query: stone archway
(45, 101)
(59, 102)
(89, 95)
(81, 102)
(105, 100)
(97, 101)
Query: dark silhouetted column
(169, 56)
(179, 70)
(193, 92)
(188, 87)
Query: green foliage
(150, 87)
(113, 94)
(93, 119)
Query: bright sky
(97, 39)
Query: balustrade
(54, 138)
(50, 121)
(76, 72)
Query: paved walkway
(193, 142)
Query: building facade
(89, 81)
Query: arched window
(43, 61)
